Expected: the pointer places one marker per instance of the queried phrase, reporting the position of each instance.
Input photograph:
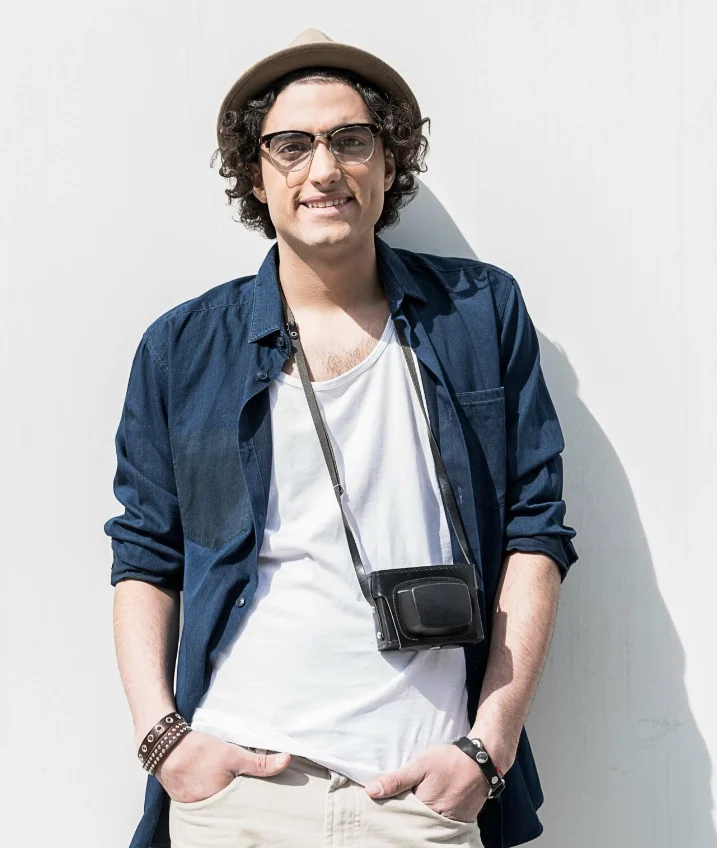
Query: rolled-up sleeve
(535, 510)
(147, 539)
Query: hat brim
(332, 54)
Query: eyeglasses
(351, 144)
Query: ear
(389, 174)
(258, 187)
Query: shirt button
(240, 602)
(281, 342)
(262, 375)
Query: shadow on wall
(619, 754)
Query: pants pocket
(202, 803)
(470, 825)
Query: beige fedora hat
(311, 48)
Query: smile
(328, 208)
(323, 204)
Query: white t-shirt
(303, 674)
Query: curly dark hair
(241, 130)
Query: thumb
(386, 785)
(266, 765)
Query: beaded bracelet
(161, 739)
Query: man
(302, 731)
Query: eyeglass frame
(265, 141)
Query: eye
(289, 147)
(352, 141)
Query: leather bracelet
(169, 740)
(477, 752)
(160, 739)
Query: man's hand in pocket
(201, 764)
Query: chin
(326, 236)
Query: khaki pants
(309, 806)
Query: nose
(324, 167)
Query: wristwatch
(477, 752)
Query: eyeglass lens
(350, 145)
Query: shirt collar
(266, 309)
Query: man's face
(319, 107)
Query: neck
(329, 279)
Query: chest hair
(333, 360)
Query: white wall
(587, 169)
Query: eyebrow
(331, 129)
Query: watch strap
(475, 749)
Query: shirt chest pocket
(482, 418)
(213, 498)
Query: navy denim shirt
(194, 457)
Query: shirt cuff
(122, 570)
(562, 551)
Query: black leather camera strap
(443, 481)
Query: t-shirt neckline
(365, 363)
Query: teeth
(321, 204)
